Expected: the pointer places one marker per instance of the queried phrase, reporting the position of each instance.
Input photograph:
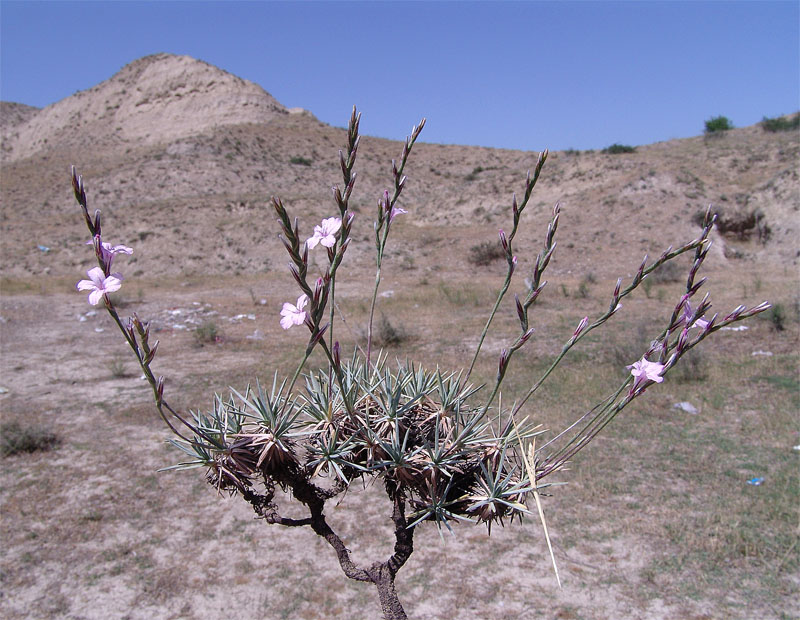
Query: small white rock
(686, 406)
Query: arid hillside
(183, 158)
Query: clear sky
(524, 75)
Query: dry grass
(657, 520)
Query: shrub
(15, 438)
(206, 333)
(474, 174)
(717, 125)
(693, 369)
(781, 123)
(389, 334)
(777, 317)
(300, 161)
(616, 149)
(668, 273)
(485, 253)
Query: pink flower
(99, 284)
(395, 212)
(687, 316)
(644, 370)
(294, 315)
(108, 252)
(325, 234)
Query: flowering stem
(530, 183)
(386, 213)
(342, 200)
(616, 297)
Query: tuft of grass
(389, 334)
(485, 253)
(118, 370)
(777, 317)
(300, 161)
(693, 367)
(207, 333)
(668, 273)
(781, 381)
(16, 438)
(474, 174)
(616, 149)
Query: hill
(183, 157)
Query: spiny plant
(443, 449)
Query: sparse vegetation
(16, 438)
(474, 174)
(206, 333)
(669, 273)
(485, 253)
(777, 317)
(781, 123)
(300, 161)
(717, 125)
(617, 149)
(390, 334)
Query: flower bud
(526, 336)
(336, 354)
(520, 313)
(160, 390)
(318, 292)
(503, 240)
(149, 357)
(683, 339)
(501, 370)
(581, 326)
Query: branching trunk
(390, 604)
(381, 574)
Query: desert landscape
(686, 507)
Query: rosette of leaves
(418, 431)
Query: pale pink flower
(687, 316)
(395, 212)
(294, 315)
(325, 233)
(108, 251)
(644, 370)
(99, 284)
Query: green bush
(206, 333)
(15, 438)
(474, 174)
(781, 123)
(718, 124)
(777, 317)
(300, 161)
(616, 149)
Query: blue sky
(524, 75)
